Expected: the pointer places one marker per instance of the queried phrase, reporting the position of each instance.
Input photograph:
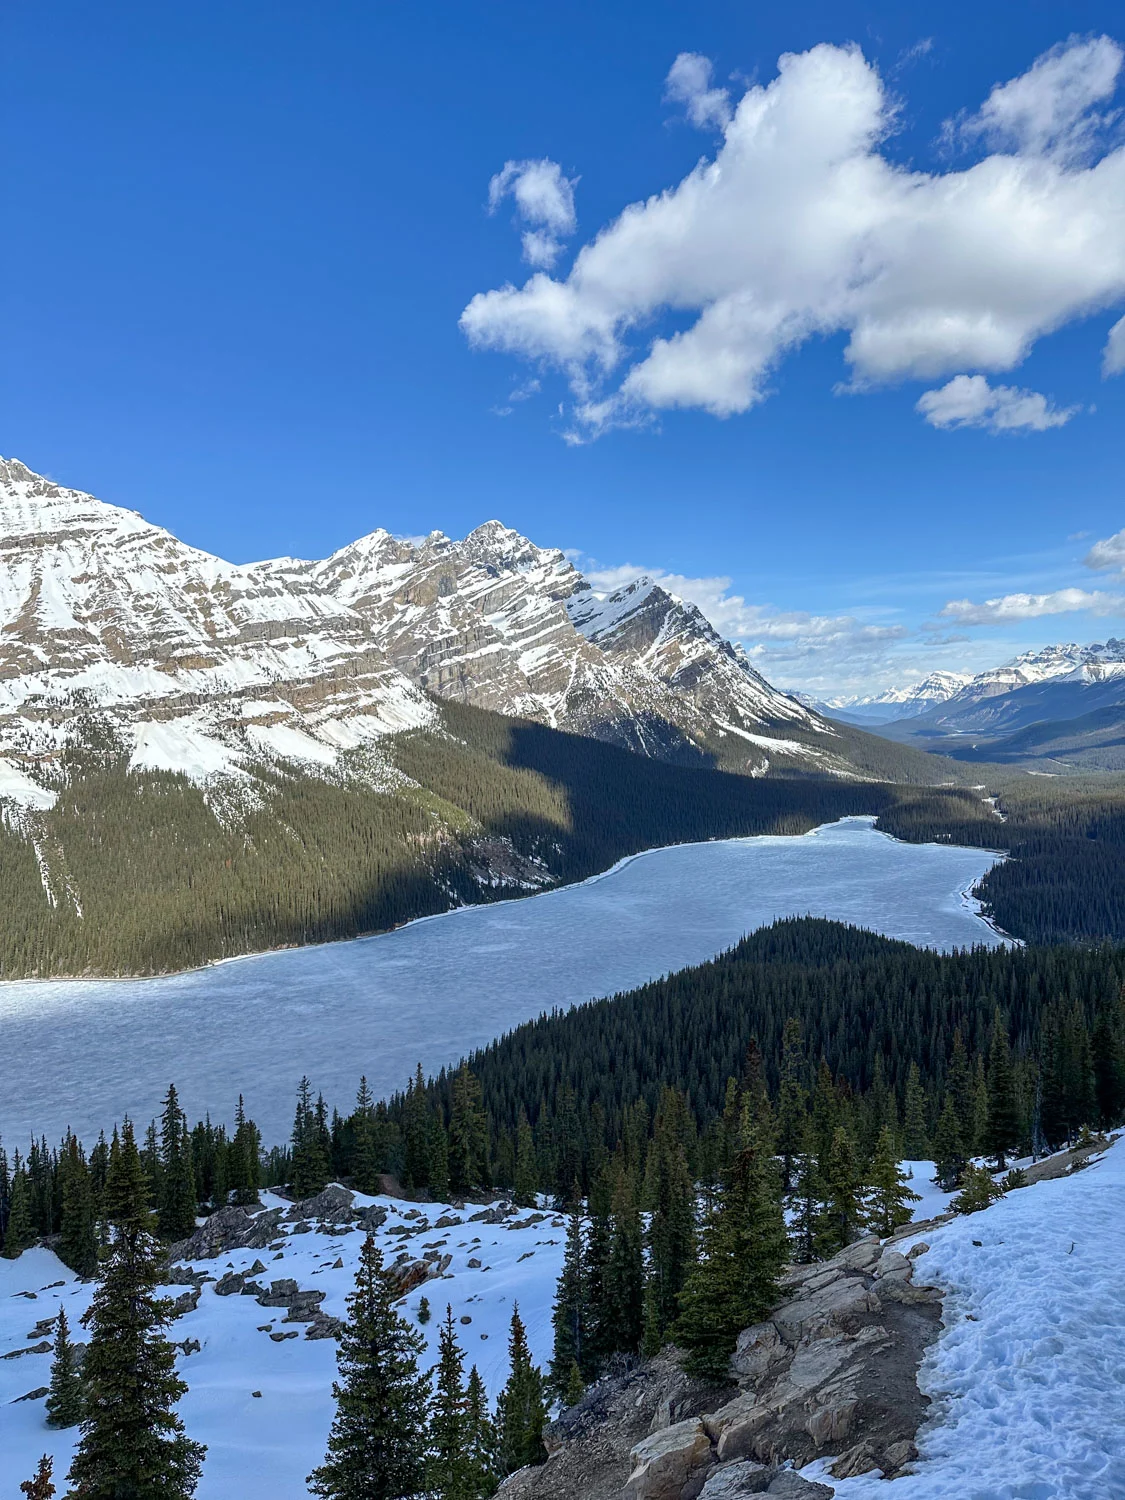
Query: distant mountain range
(1061, 707)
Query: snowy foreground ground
(1026, 1375)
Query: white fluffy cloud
(1113, 355)
(1011, 608)
(969, 401)
(689, 83)
(544, 200)
(802, 226)
(1109, 553)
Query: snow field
(262, 1447)
(1028, 1374)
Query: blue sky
(253, 287)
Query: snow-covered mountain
(206, 664)
(898, 702)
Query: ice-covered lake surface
(80, 1053)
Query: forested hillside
(142, 872)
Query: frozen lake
(81, 1053)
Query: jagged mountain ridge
(203, 664)
(897, 702)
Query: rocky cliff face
(202, 665)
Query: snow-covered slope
(898, 702)
(205, 664)
(1027, 1374)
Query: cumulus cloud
(1108, 553)
(544, 200)
(1010, 608)
(969, 401)
(689, 83)
(801, 226)
(1051, 110)
(1113, 355)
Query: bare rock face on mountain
(206, 666)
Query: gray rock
(229, 1284)
(41, 1348)
(334, 1203)
(837, 1307)
(892, 1263)
(36, 1395)
(670, 1465)
(858, 1257)
(897, 1456)
(374, 1216)
(759, 1350)
(743, 1477)
(791, 1486)
(861, 1459)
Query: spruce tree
(132, 1442)
(915, 1137)
(791, 1102)
(623, 1274)
(670, 1229)
(365, 1149)
(377, 1445)
(843, 1207)
(959, 1088)
(1001, 1130)
(448, 1466)
(19, 1232)
(949, 1150)
(520, 1412)
(1107, 1045)
(890, 1197)
(64, 1399)
(78, 1244)
(525, 1184)
(482, 1465)
(245, 1158)
(806, 1199)
(571, 1314)
(40, 1486)
(468, 1135)
(309, 1157)
(176, 1200)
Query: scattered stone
(43, 1327)
(527, 1254)
(325, 1327)
(36, 1395)
(858, 1460)
(44, 1348)
(229, 1284)
(337, 1264)
(256, 1393)
(188, 1346)
(896, 1457)
(730, 1481)
(186, 1303)
(791, 1486)
(916, 1250)
(474, 1264)
(465, 1318)
(334, 1203)
(256, 1269)
(228, 1229)
(279, 1338)
(301, 1228)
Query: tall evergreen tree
(949, 1150)
(365, 1148)
(377, 1445)
(623, 1276)
(176, 1201)
(1001, 1130)
(525, 1184)
(132, 1442)
(309, 1154)
(482, 1464)
(19, 1232)
(1107, 1045)
(843, 1205)
(520, 1412)
(468, 1135)
(64, 1399)
(891, 1196)
(448, 1465)
(792, 1104)
(245, 1158)
(670, 1228)
(915, 1137)
(571, 1313)
(960, 1090)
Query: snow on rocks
(1027, 1377)
(261, 1334)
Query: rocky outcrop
(228, 1229)
(830, 1374)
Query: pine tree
(19, 1232)
(623, 1275)
(791, 1102)
(915, 1137)
(132, 1442)
(416, 1134)
(571, 1314)
(40, 1487)
(64, 1400)
(520, 1412)
(959, 1088)
(437, 1158)
(1001, 1130)
(245, 1158)
(978, 1190)
(482, 1465)
(949, 1150)
(670, 1229)
(468, 1135)
(524, 1187)
(377, 1446)
(365, 1150)
(176, 1199)
(843, 1208)
(78, 1244)
(448, 1475)
(806, 1201)
(890, 1199)
(742, 1250)
(1107, 1046)
(310, 1158)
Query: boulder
(790, 1486)
(228, 1229)
(893, 1263)
(838, 1307)
(671, 1464)
(743, 1477)
(858, 1257)
(735, 1427)
(861, 1459)
(324, 1327)
(334, 1203)
(758, 1351)
(896, 1457)
(374, 1216)
(830, 1424)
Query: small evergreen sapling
(890, 1198)
(40, 1487)
(448, 1466)
(520, 1412)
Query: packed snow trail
(1028, 1374)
